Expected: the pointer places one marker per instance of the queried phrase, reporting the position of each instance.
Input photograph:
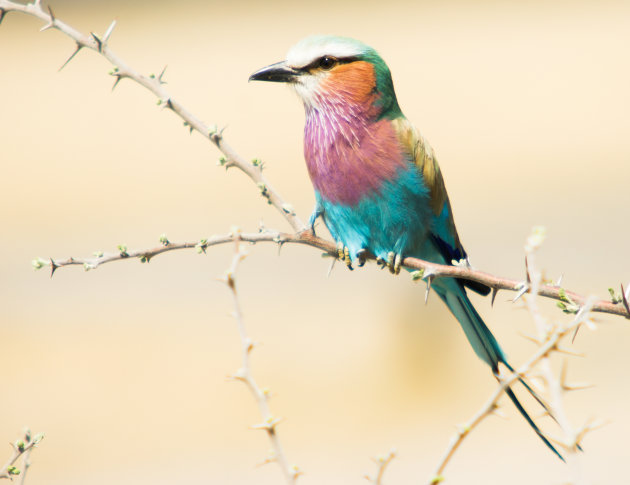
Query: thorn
(118, 78)
(51, 22)
(497, 412)
(53, 267)
(99, 42)
(76, 51)
(571, 387)
(559, 442)
(270, 459)
(524, 288)
(590, 425)
(559, 280)
(577, 387)
(3, 12)
(160, 77)
(332, 265)
(494, 295)
(577, 329)
(624, 299)
(568, 352)
(166, 103)
(426, 294)
(108, 32)
(531, 338)
(269, 424)
(37, 3)
(529, 280)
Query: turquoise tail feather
(485, 345)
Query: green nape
(387, 100)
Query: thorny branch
(155, 84)
(244, 374)
(425, 268)
(21, 449)
(550, 345)
(556, 386)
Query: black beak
(278, 73)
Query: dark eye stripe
(338, 61)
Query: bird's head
(327, 71)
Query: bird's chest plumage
(372, 195)
(348, 161)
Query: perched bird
(378, 185)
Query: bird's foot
(361, 257)
(317, 212)
(349, 257)
(343, 253)
(392, 262)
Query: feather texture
(378, 185)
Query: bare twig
(155, 84)
(307, 238)
(21, 449)
(269, 422)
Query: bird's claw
(343, 253)
(393, 262)
(361, 257)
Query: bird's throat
(348, 152)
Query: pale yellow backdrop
(124, 368)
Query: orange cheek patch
(354, 81)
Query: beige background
(124, 368)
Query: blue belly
(395, 218)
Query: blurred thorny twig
(269, 422)
(381, 463)
(21, 452)
(547, 347)
(548, 341)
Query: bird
(378, 186)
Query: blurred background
(124, 368)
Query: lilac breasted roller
(378, 185)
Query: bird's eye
(327, 62)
